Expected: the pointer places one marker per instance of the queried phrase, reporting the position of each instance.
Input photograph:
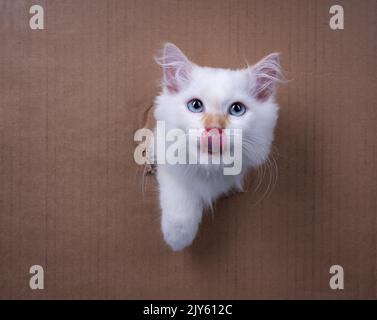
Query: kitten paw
(178, 235)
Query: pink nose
(213, 139)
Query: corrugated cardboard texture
(71, 198)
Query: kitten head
(214, 99)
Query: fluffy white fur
(186, 190)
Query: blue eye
(237, 109)
(195, 105)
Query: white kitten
(204, 98)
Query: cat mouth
(213, 140)
(214, 147)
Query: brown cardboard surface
(71, 200)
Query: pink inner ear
(169, 79)
(176, 67)
(265, 87)
(267, 75)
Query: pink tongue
(213, 140)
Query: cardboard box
(72, 96)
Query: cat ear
(176, 67)
(267, 73)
